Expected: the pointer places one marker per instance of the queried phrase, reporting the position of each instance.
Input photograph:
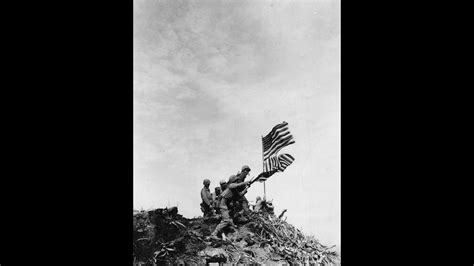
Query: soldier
(236, 188)
(258, 204)
(223, 184)
(207, 202)
(263, 205)
(217, 193)
(225, 201)
(216, 196)
(238, 193)
(269, 207)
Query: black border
(69, 197)
(69, 123)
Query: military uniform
(226, 219)
(258, 204)
(235, 187)
(216, 197)
(234, 193)
(207, 202)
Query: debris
(282, 213)
(214, 255)
(163, 236)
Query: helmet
(206, 182)
(259, 198)
(245, 167)
(222, 182)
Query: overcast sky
(212, 77)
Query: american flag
(275, 164)
(284, 160)
(278, 163)
(262, 177)
(278, 138)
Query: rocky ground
(163, 236)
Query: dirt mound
(163, 236)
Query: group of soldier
(229, 201)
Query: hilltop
(163, 236)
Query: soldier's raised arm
(236, 185)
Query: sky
(212, 77)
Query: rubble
(162, 237)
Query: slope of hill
(162, 236)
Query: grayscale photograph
(236, 132)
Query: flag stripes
(276, 164)
(271, 163)
(285, 160)
(278, 138)
(262, 177)
(275, 131)
(277, 146)
(274, 141)
(265, 175)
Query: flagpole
(263, 166)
